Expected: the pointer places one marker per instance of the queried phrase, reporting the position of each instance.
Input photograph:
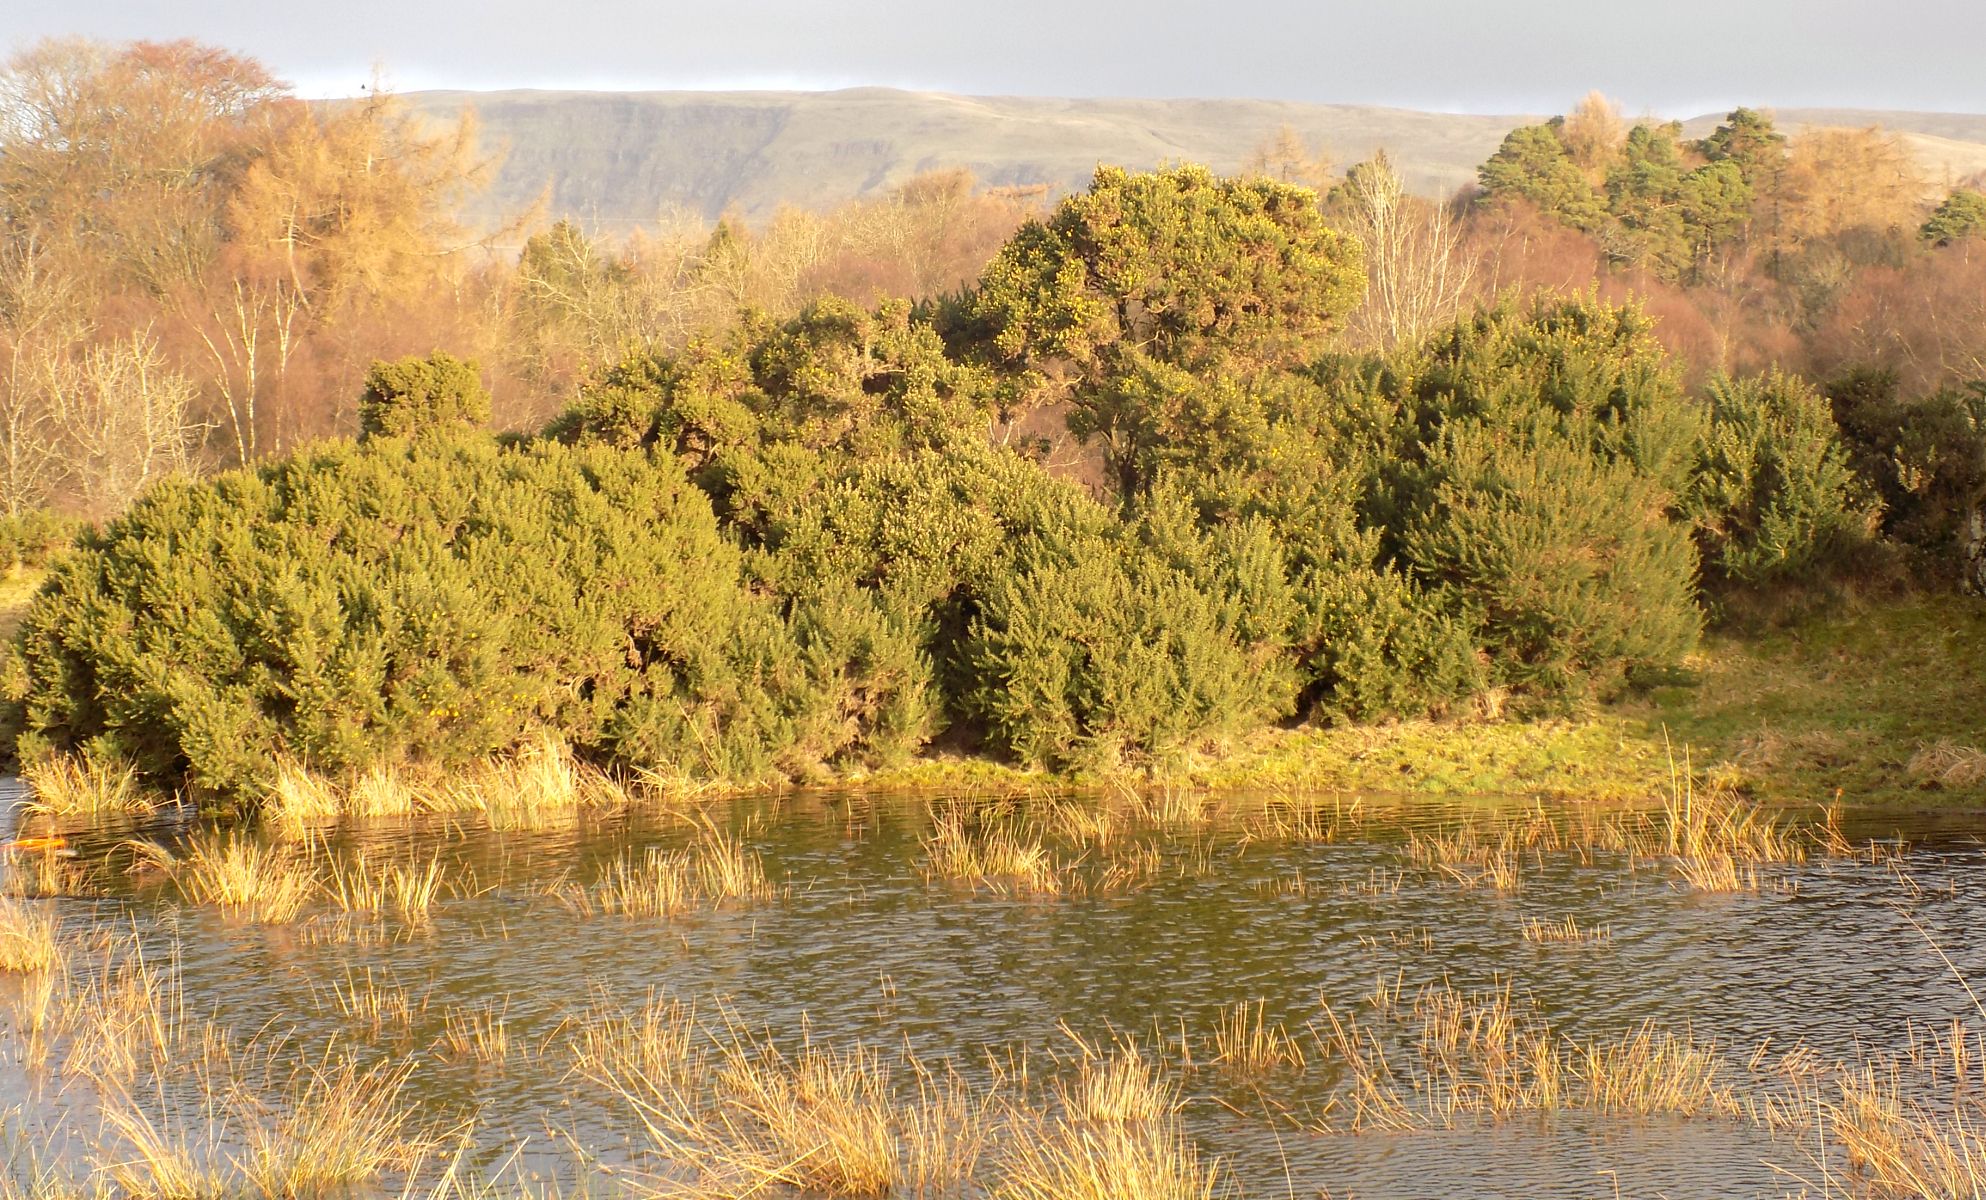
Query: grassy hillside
(618, 159)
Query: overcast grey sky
(1671, 56)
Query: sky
(1672, 57)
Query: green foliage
(438, 599)
(1100, 646)
(1962, 215)
(1532, 164)
(1748, 141)
(1590, 371)
(761, 417)
(1924, 456)
(1146, 278)
(1559, 559)
(421, 395)
(1775, 498)
(1533, 487)
(1657, 208)
(1673, 216)
(32, 538)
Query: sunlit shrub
(1774, 496)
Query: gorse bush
(1775, 496)
(32, 538)
(817, 543)
(438, 599)
(1100, 644)
(422, 395)
(1925, 457)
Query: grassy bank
(1882, 703)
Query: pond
(1389, 962)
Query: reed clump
(717, 868)
(247, 878)
(1066, 1160)
(29, 938)
(1247, 1045)
(337, 1126)
(1448, 1053)
(1565, 931)
(541, 785)
(479, 1035)
(406, 890)
(1471, 858)
(75, 788)
(1003, 859)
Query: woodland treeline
(1175, 458)
(196, 268)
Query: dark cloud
(1531, 55)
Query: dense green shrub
(1128, 290)
(764, 416)
(422, 395)
(1925, 457)
(1099, 646)
(1373, 644)
(438, 599)
(30, 539)
(1774, 496)
(1562, 562)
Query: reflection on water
(862, 947)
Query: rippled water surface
(862, 947)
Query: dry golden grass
(28, 938)
(1004, 860)
(1655, 1071)
(1565, 931)
(716, 869)
(652, 1053)
(336, 1125)
(403, 889)
(1062, 1160)
(539, 786)
(47, 871)
(68, 788)
(1948, 764)
(1115, 1087)
(479, 1035)
(1448, 1053)
(1248, 1046)
(1470, 858)
(363, 1000)
(155, 1160)
(299, 799)
(242, 876)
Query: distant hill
(615, 160)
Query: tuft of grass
(1564, 931)
(73, 788)
(28, 939)
(478, 1035)
(1003, 860)
(340, 1126)
(717, 868)
(362, 1000)
(1948, 764)
(1071, 1161)
(1116, 1087)
(404, 889)
(1247, 1046)
(301, 799)
(244, 877)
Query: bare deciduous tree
(124, 420)
(1417, 270)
